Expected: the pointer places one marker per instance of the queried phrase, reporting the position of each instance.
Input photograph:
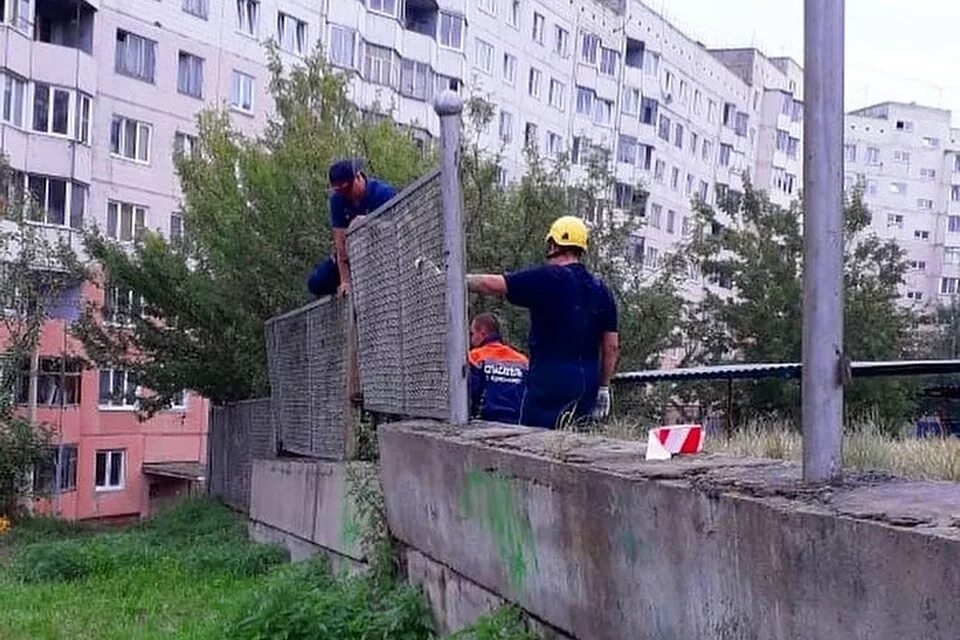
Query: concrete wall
(589, 538)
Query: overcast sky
(907, 51)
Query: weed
(506, 623)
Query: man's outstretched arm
(487, 284)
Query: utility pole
(449, 106)
(822, 392)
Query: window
(539, 25)
(703, 191)
(125, 221)
(51, 109)
(585, 98)
(956, 163)
(176, 227)
(530, 136)
(651, 259)
(659, 170)
(109, 472)
(921, 234)
(724, 156)
(561, 41)
(675, 178)
(631, 102)
(899, 188)
(668, 81)
(554, 144)
(648, 110)
(656, 212)
(58, 473)
(948, 286)
(951, 255)
(904, 125)
(849, 153)
(783, 139)
(184, 144)
(130, 139)
(557, 95)
(343, 47)
(483, 56)
(241, 91)
(622, 195)
(608, 61)
(901, 156)
(506, 126)
(664, 128)
(589, 45)
(515, 14)
(415, 79)
(707, 154)
(627, 149)
(953, 224)
(533, 82)
(741, 124)
(872, 187)
(688, 188)
(190, 75)
(920, 265)
(198, 8)
(602, 111)
(58, 382)
(578, 149)
(488, 6)
(509, 69)
(711, 111)
(135, 56)
(924, 204)
(678, 136)
(895, 220)
(928, 174)
(380, 65)
(121, 306)
(248, 14)
(14, 90)
(291, 33)
(694, 143)
(955, 193)
(683, 92)
(729, 114)
(56, 201)
(671, 221)
(451, 30)
(873, 156)
(931, 143)
(793, 147)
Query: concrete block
(588, 537)
(301, 549)
(335, 524)
(284, 495)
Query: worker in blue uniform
(497, 373)
(352, 196)
(574, 341)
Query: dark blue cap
(344, 170)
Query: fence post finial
(449, 106)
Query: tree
(755, 315)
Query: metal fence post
(822, 391)
(449, 106)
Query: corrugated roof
(788, 370)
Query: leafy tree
(758, 317)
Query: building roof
(788, 370)
(185, 470)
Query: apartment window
(589, 45)
(675, 178)
(184, 144)
(58, 473)
(790, 181)
(130, 139)
(783, 139)
(241, 91)
(533, 82)
(648, 110)
(729, 114)
(904, 125)
(488, 6)
(561, 41)
(557, 95)
(953, 224)
(697, 102)
(915, 295)
(694, 143)
(484, 56)
(688, 188)
(951, 255)
(343, 47)
(51, 109)
(849, 153)
(955, 193)
(895, 220)
(956, 161)
(554, 144)
(608, 61)
(793, 147)
(539, 25)
(627, 149)
(509, 69)
(921, 265)
(899, 188)
(602, 111)
(415, 79)
(872, 187)
(873, 156)
(291, 33)
(664, 128)
(631, 102)
(190, 74)
(901, 156)
(678, 136)
(248, 15)
(451, 30)
(924, 204)
(948, 286)
(683, 92)
(623, 195)
(585, 98)
(707, 154)
(530, 137)
(740, 127)
(109, 470)
(659, 170)
(651, 258)
(506, 126)
(711, 112)
(921, 235)
(56, 201)
(14, 92)
(515, 14)
(931, 143)
(671, 221)
(198, 8)
(578, 149)
(668, 81)
(176, 227)
(928, 174)
(125, 221)
(723, 157)
(703, 191)
(135, 56)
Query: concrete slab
(300, 549)
(283, 495)
(599, 543)
(335, 524)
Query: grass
(190, 573)
(865, 447)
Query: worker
(352, 196)
(574, 340)
(497, 373)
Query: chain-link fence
(398, 271)
(238, 433)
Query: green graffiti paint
(349, 527)
(489, 498)
(630, 545)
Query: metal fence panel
(289, 380)
(238, 433)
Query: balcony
(65, 23)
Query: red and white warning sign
(664, 442)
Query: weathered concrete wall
(308, 500)
(586, 536)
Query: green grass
(191, 574)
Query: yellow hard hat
(569, 231)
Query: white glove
(604, 401)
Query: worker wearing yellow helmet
(573, 340)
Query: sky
(904, 51)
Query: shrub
(53, 561)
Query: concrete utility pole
(823, 240)
(448, 106)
